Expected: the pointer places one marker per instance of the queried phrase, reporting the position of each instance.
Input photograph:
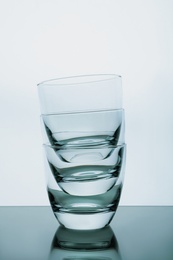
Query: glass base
(85, 212)
(84, 221)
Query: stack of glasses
(83, 129)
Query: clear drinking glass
(83, 131)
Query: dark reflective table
(136, 233)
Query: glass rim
(83, 112)
(73, 147)
(79, 79)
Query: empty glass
(83, 131)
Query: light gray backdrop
(44, 39)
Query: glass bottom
(84, 221)
(85, 212)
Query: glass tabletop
(135, 233)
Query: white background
(44, 39)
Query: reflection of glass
(98, 244)
(83, 125)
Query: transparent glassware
(83, 131)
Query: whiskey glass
(83, 131)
